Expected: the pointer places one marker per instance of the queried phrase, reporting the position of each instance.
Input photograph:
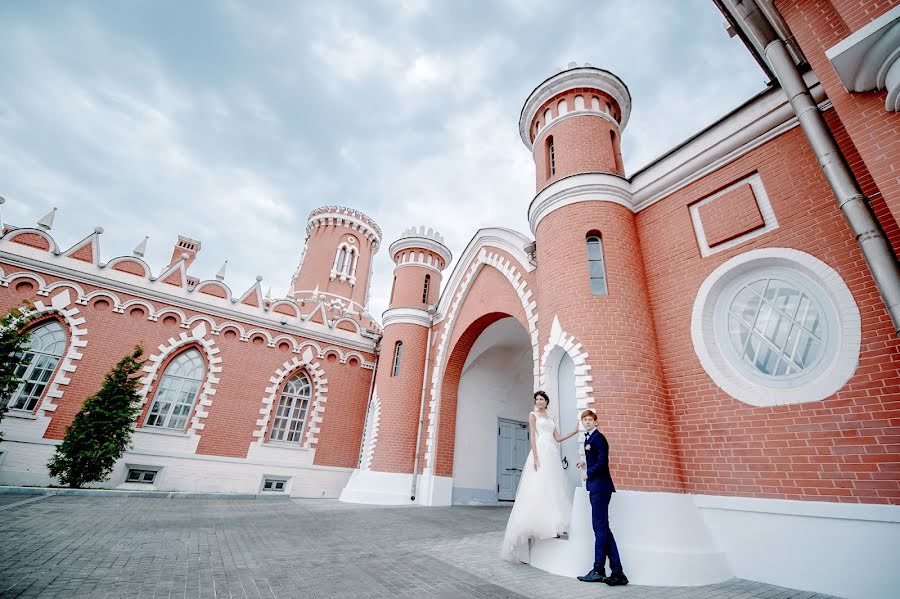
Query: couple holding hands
(542, 508)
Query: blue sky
(229, 121)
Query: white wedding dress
(543, 506)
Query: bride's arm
(560, 438)
(532, 436)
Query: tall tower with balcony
(590, 270)
(337, 257)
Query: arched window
(393, 288)
(551, 158)
(177, 391)
(595, 103)
(608, 108)
(548, 116)
(596, 266)
(562, 108)
(37, 364)
(579, 102)
(425, 289)
(341, 259)
(398, 349)
(617, 157)
(293, 406)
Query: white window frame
(425, 288)
(602, 261)
(292, 411)
(41, 360)
(163, 420)
(398, 351)
(840, 355)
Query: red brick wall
(618, 334)
(845, 448)
(321, 248)
(246, 368)
(730, 215)
(817, 26)
(581, 144)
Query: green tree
(13, 343)
(101, 431)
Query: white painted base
(662, 541)
(840, 549)
(25, 463)
(391, 488)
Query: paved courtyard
(109, 547)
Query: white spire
(269, 293)
(221, 274)
(141, 248)
(47, 221)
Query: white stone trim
(459, 293)
(560, 343)
(317, 410)
(869, 58)
(61, 304)
(587, 112)
(589, 77)
(370, 434)
(585, 187)
(345, 217)
(770, 222)
(213, 369)
(420, 242)
(507, 240)
(417, 264)
(845, 356)
(406, 316)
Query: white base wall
(24, 463)
(849, 550)
(391, 488)
(661, 537)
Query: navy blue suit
(600, 487)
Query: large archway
(493, 401)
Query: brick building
(718, 309)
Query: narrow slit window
(425, 289)
(398, 350)
(596, 265)
(551, 158)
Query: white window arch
(548, 116)
(345, 260)
(776, 326)
(37, 364)
(293, 407)
(595, 103)
(562, 108)
(177, 391)
(596, 265)
(579, 102)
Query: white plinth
(662, 541)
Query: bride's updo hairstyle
(542, 394)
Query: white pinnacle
(141, 248)
(221, 274)
(47, 221)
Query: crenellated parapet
(346, 217)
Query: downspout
(869, 235)
(415, 472)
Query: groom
(600, 487)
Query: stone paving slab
(136, 547)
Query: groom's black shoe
(593, 576)
(616, 579)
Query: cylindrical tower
(419, 256)
(337, 256)
(590, 274)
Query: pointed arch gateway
(489, 319)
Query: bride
(542, 506)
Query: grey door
(512, 451)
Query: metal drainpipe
(868, 232)
(415, 473)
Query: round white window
(776, 326)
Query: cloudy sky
(229, 121)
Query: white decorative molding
(869, 59)
(594, 113)
(421, 238)
(584, 187)
(459, 292)
(406, 316)
(213, 368)
(61, 304)
(560, 343)
(844, 345)
(770, 222)
(512, 242)
(317, 410)
(370, 434)
(587, 77)
(345, 217)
